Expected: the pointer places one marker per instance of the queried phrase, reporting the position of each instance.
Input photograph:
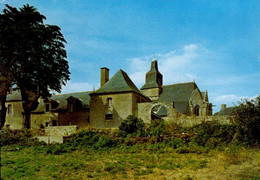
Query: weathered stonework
(14, 116)
(117, 98)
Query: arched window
(197, 110)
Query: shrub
(86, 138)
(132, 125)
(105, 142)
(156, 128)
(213, 134)
(9, 137)
(55, 149)
(176, 143)
(247, 116)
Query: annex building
(116, 98)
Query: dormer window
(70, 106)
(9, 108)
(109, 112)
(73, 103)
(109, 102)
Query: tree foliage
(247, 116)
(32, 55)
(132, 125)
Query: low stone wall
(60, 130)
(51, 139)
(188, 121)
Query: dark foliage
(132, 125)
(32, 56)
(247, 116)
(156, 128)
(213, 134)
(15, 137)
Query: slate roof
(153, 77)
(62, 100)
(14, 96)
(161, 111)
(179, 93)
(226, 111)
(120, 82)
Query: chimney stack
(223, 106)
(104, 76)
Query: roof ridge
(120, 82)
(71, 93)
(190, 82)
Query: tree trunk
(27, 118)
(2, 110)
(30, 103)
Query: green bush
(247, 116)
(176, 143)
(156, 128)
(213, 134)
(105, 142)
(132, 125)
(55, 149)
(86, 138)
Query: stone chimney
(223, 106)
(104, 76)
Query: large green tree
(32, 57)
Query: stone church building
(116, 98)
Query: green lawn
(140, 161)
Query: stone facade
(116, 98)
(14, 114)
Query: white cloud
(174, 65)
(78, 87)
(229, 100)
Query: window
(47, 107)
(109, 102)
(109, 116)
(197, 110)
(46, 124)
(109, 112)
(9, 108)
(54, 123)
(70, 106)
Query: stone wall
(40, 120)
(56, 134)
(145, 111)
(14, 120)
(79, 118)
(152, 93)
(51, 139)
(60, 130)
(122, 106)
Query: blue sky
(216, 43)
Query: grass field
(140, 161)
